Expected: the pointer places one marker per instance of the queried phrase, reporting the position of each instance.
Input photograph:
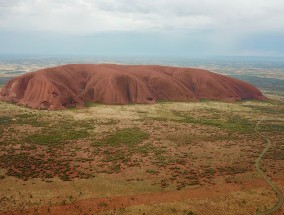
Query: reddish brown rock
(74, 85)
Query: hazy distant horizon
(180, 61)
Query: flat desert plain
(164, 158)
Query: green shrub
(151, 171)
(233, 123)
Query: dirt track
(279, 194)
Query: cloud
(186, 27)
(93, 16)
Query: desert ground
(164, 158)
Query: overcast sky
(142, 27)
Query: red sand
(96, 206)
(74, 85)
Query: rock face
(74, 85)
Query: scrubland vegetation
(107, 152)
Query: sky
(142, 27)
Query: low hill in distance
(76, 84)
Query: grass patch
(60, 133)
(91, 104)
(127, 136)
(29, 119)
(267, 109)
(190, 138)
(55, 137)
(272, 128)
(4, 120)
(232, 123)
(109, 122)
(151, 171)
